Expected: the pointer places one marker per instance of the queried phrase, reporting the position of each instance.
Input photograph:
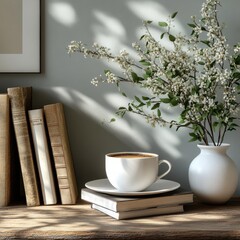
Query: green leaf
(145, 62)
(193, 139)
(130, 108)
(180, 121)
(201, 63)
(213, 63)
(122, 108)
(191, 25)
(148, 103)
(162, 35)
(174, 102)
(124, 94)
(112, 120)
(121, 111)
(148, 72)
(174, 15)
(192, 32)
(145, 98)
(165, 100)
(206, 42)
(155, 106)
(237, 60)
(232, 126)
(236, 75)
(148, 22)
(141, 105)
(171, 38)
(162, 24)
(138, 99)
(159, 113)
(135, 77)
(194, 136)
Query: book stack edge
(134, 207)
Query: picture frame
(20, 36)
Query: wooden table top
(79, 221)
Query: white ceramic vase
(213, 175)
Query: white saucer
(160, 186)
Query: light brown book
(20, 102)
(4, 150)
(42, 156)
(58, 135)
(154, 211)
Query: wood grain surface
(199, 221)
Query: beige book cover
(42, 156)
(20, 102)
(58, 135)
(124, 203)
(4, 150)
(154, 211)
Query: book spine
(42, 156)
(4, 150)
(59, 141)
(20, 102)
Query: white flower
(197, 74)
(111, 77)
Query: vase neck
(222, 148)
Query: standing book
(42, 156)
(119, 204)
(4, 150)
(154, 211)
(20, 102)
(57, 129)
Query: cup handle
(169, 167)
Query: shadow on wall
(89, 140)
(92, 136)
(112, 24)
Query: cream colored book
(20, 102)
(120, 204)
(4, 150)
(58, 135)
(42, 156)
(141, 212)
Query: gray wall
(88, 109)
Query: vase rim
(202, 145)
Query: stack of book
(43, 150)
(134, 207)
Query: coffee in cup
(133, 171)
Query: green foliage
(162, 24)
(198, 76)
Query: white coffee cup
(133, 171)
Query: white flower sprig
(199, 75)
